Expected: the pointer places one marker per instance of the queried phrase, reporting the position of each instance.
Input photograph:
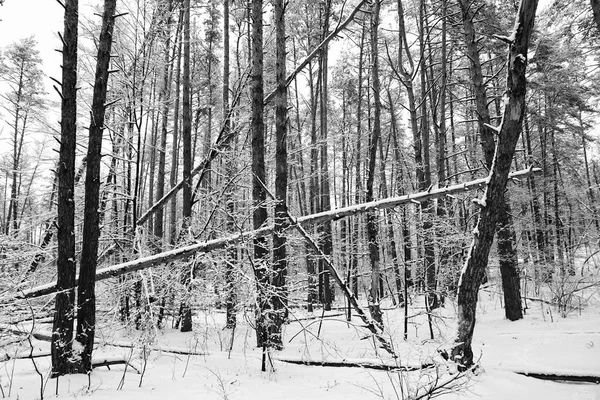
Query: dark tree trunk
(186, 135)
(175, 148)
(372, 224)
(62, 328)
(506, 234)
(164, 99)
(326, 294)
(281, 169)
(509, 131)
(86, 294)
(358, 190)
(230, 162)
(596, 11)
(259, 196)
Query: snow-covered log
(564, 375)
(205, 247)
(377, 364)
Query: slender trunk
(175, 147)
(327, 240)
(358, 191)
(281, 170)
(425, 182)
(372, 223)
(164, 101)
(186, 312)
(230, 287)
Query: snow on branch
(210, 245)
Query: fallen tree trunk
(569, 376)
(376, 364)
(224, 140)
(204, 247)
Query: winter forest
(374, 199)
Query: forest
(246, 191)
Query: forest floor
(543, 342)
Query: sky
(42, 18)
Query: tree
(62, 328)
(506, 235)
(186, 312)
(259, 196)
(86, 293)
(372, 224)
(508, 136)
(20, 70)
(281, 171)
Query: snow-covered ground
(542, 342)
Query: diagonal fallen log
(223, 140)
(210, 245)
(370, 324)
(376, 364)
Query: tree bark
(509, 131)
(86, 292)
(372, 224)
(259, 213)
(186, 135)
(281, 170)
(62, 328)
(230, 162)
(506, 234)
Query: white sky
(42, 18)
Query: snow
(480, 202)
(535, 344)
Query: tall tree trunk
(372, 224)
(186, 312)
(259, 196)
(358, 183)
(281, 170)
(230, 162)
(327, 240)
(62, 328)
(175, 148)
(86, 293)
(425, 181)
(508, 136)
(164, 100)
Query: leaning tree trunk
(62, 328)
(506, 235)
(508, 136)
(86, 293)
